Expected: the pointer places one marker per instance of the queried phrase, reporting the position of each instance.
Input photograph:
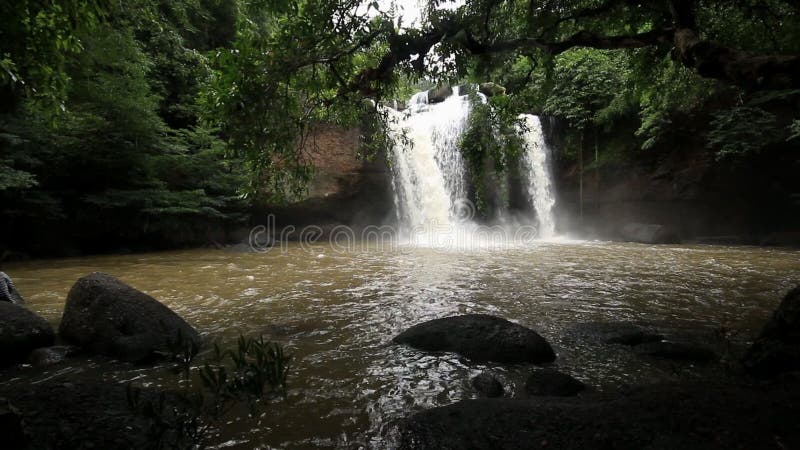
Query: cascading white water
(535, 163)
(429, 173)
(428, 170)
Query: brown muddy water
(337, 311)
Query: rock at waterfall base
(479, 337)
(438, 95)
(106, 316)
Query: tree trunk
(580, 177)
(596, 170)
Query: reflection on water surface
(337, 311)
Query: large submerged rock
(777, 348)
(21, 332)
(106, 316)
(480, 337)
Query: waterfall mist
(430, 177)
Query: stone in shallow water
(486, 384)
(624, 333)
(106, 316)
(549, 382)
(479, 337)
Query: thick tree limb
(580, 39)
(401, 48)
(709, 59)
(733, 66)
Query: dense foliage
(108, 149)
(139, 119)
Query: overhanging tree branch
(709, 59)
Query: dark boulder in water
(777, 348)
(486, 384)
(548, 382)
(21, 332)
(438, 95)
(106, 316)
(479, 337)
(623, 333)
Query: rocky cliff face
(347, 188)
(687, 192)
(671, 194)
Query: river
(337, 311)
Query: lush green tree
(297, 62)
(127, 159)
(152, 112)
(37, 40)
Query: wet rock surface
(106, 316)
(654, 417)
(479, 337)
(21, 332)
(63, 415)
(439, 94)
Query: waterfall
(537, 171)
(429, 175)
